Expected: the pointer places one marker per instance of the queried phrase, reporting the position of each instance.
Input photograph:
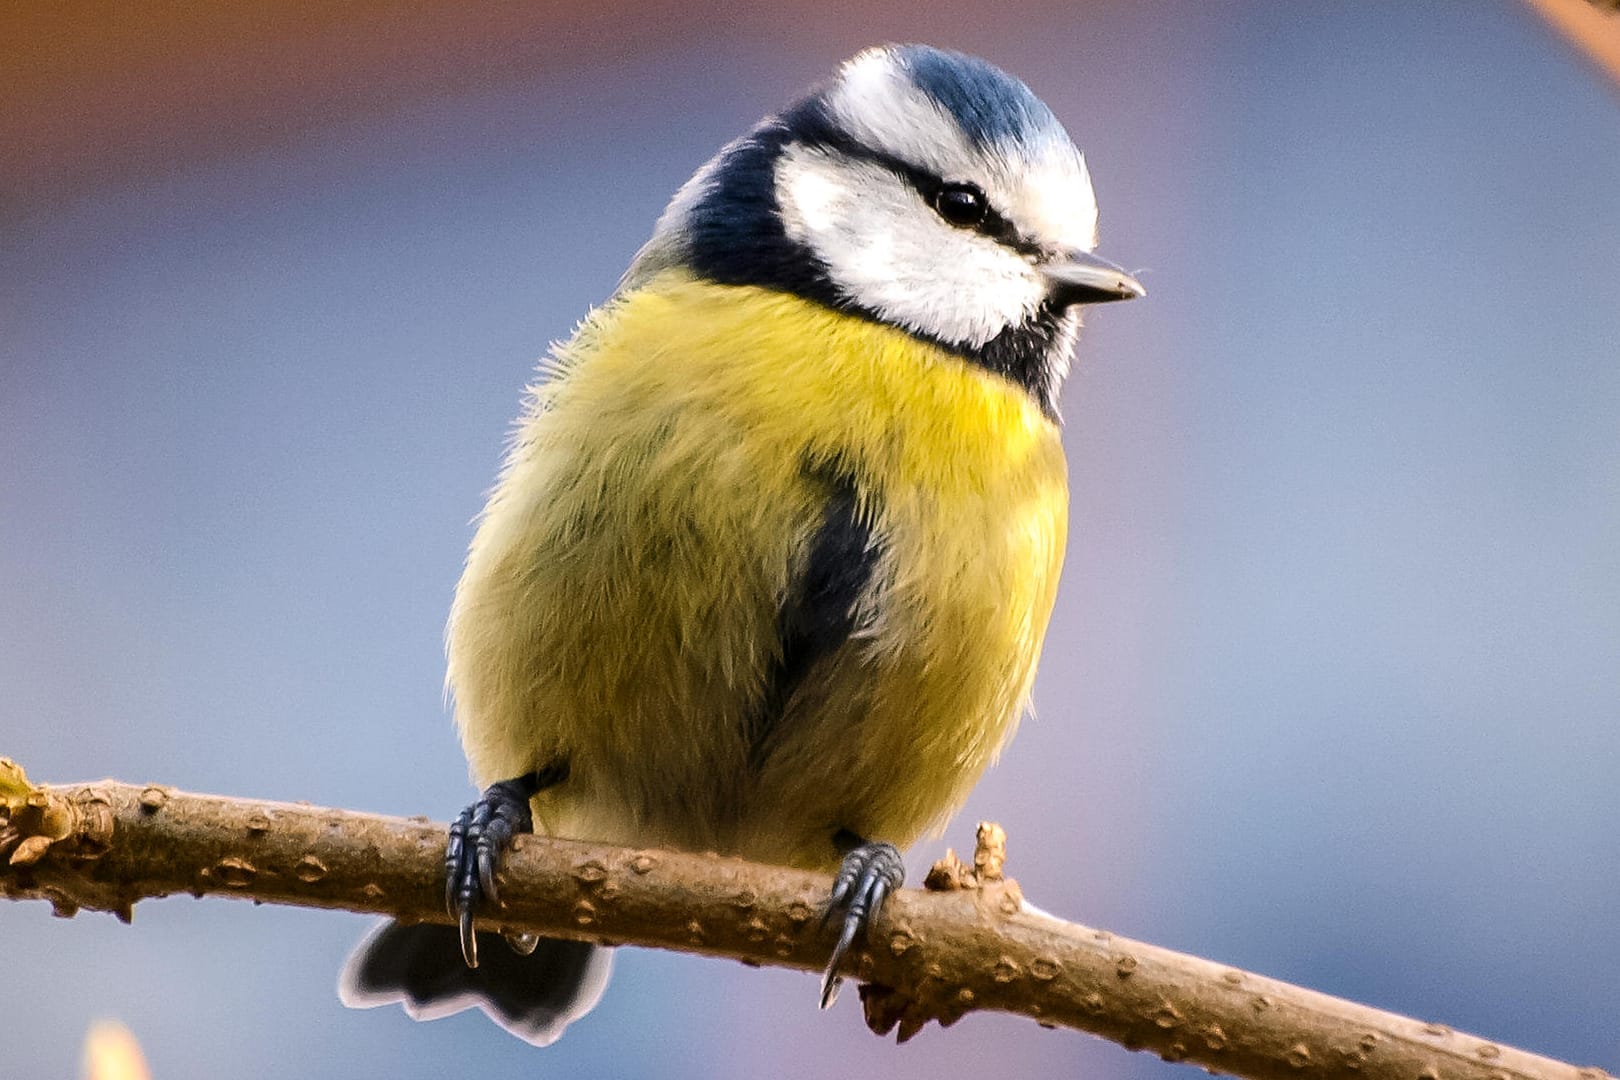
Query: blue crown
(990, 106)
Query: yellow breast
(620, 599)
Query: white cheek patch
(888, 252)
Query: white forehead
(1040, 182)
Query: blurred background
(1333, 687)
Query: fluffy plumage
(620, 606)
(772, 554)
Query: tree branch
(966, 943)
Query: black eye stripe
(928, 186)
(992, 224)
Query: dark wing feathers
(819, 612)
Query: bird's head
(920, 188)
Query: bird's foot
(478, 842)
(871, 870)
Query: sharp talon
(854, 922)
(477, 842)
(829, 988)
(864, 881)
(469, 940)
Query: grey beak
(1079, 277)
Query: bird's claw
(870, 871)
(472, 857)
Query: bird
(773, 550)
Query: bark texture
(965, 942)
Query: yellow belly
(620, 599)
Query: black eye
(962, 205)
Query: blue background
(1333, 686)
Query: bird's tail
(533, 996)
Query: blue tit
(772, 554)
